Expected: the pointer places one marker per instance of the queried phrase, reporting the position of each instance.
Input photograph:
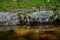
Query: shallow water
(40, 27)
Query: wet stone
(8, 19)
(42, 16)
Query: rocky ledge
(9, 20)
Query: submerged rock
(42, 16)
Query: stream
(40, 27)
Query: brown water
(42, 32)
(40, 27)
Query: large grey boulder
(42, 16)
(7, 18)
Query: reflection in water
(41, 27)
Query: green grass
(31, 3)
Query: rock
(42, 16)
(8, 18)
